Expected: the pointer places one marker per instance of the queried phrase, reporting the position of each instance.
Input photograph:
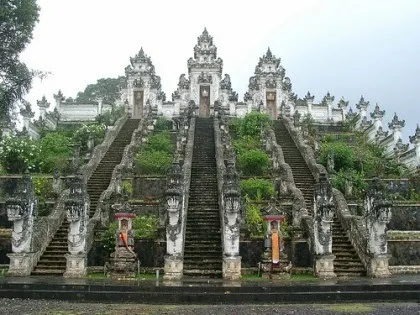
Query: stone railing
(284, 178)
(230, 205)
(353, 225)
(100, 150)
(102, 211)
(176, 200)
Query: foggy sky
(346, 47)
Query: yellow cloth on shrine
(275, 252)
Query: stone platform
(397, 288)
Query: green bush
(54, 152)
(81, 135)
(253, 162)
(109, 117)
(246, 143)
(253, 123)
(344, 155)
(163, 124)
(145, 226)
(357, 179)
(254, 220)
(152, 162)
(18, 154)
(257, 188)
(160, 142)
(44, 191)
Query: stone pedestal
(278, 271)
(324, 266)
(231, 268)
(379, 266)
(76, 266)
(174, 268)
(21, 264)
(123, 265)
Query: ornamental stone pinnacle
(343, 103)
(362, 103)
(377, 113)
(396, 123)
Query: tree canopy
(17, 21)
(106, 88)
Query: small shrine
(124, 261)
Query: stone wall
(405, 217)
(404, 252)
(148, 187)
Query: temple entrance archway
(138, 104)
(204, 108)
(271, 104)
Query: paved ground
(40, 307)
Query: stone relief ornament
(184, 83)
(205, 77)
(225, 84)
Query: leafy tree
(54, 152)
(17, 21)
(106, 88)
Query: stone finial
(342, 104)
(400, 147)
(350, 114)
(59, 97)
(396, 123)
(225, 84)
(328, 99)
(26, 111)
(43, 103)
(287, 84)
(365, 123)
(296, 118)
(309, 98)
(381, 134)
(362, 105)
(377, 113)
(416, 138)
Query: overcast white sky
(347, 47)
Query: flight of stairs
(346, 263)
(203, 244)
(53, 261)
(302, 176)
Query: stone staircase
(346, 263)
(53, 261)
(203, 244)
(302, 176)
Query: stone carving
(287, 84)
(205, 77)
(183, 83)
(247, 96)
(330, 163)
(296, 118)
(225, 84)
(77, 207)
(270, 83)
(253, 84)
(155, 82)
(378, 215)
(21, 209)
(396, 123)
(138, 83)
(362, 105)
(322, 220)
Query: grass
(348, 308)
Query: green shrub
(145, 226)
(152, 162)
(44, 191)
(246, 143)
(109, 117)
(254, 220)
(257, 188)
(357, 179)
(253, 123)
(127, 187)
(344, 155)
(18, 154)
(108, 237)
(253, 162)
(54, 152)
(163, 124)
(160, 142)
(81, 135)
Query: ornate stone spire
(309, 97)
(400, 147)
(396, 123)
(343, 103)
(43, 103)
(377, 113)
(362, 105)
(328, 99)
(416, 138)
